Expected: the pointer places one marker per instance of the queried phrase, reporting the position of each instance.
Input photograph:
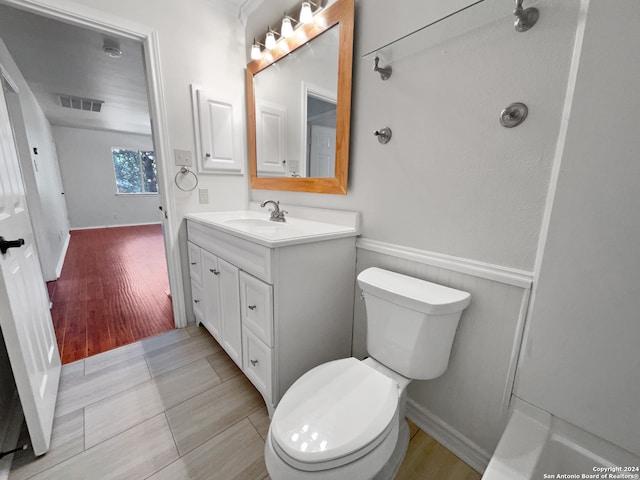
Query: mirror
(299, 107)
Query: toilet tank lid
(413, 292)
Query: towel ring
(186, 171)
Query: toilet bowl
(345, 419)
(325, 428)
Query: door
(24, 304)
(322, 152)
(271, 140)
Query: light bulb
(306, 15)
(255, 52)
(270, 41)
(287, 29)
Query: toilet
(345, 419)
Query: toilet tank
(411, 323)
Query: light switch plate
(183, 158)
(203, 194)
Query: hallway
(113, 290)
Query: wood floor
(113, 290)
(175, 407)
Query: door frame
(84, 16)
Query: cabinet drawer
(195, 262)
(197, 301)
(257, 362)
(256, 307)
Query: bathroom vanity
(278, 297)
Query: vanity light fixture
(256, 54)
(306, 15)
(270, 40)
(286, 30)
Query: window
(135, 171)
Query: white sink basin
(253, 223)
(302, 225)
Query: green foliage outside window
(135, 170)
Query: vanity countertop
(302, 225)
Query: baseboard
(448, 436)
(11, 435)
(116, 226)
(63, 255)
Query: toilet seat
(333, 415)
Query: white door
(271, 140)
(24, 304)
(322, 152)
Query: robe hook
(525, 17)
(385, 72)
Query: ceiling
(58, 58)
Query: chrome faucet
(277, 215)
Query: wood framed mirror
(299, 106)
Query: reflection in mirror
(299, 106)
(296, 111)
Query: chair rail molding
(497, 273)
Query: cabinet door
(230, 310)
(258, 360)
(198, 301)
(256, 307)
(211, 286)
(195, 267)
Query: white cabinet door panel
(256, 307)
(230, 308)
(195, 262)
(258, 360)
(211, 286)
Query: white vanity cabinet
(282, 310)
(216, 304)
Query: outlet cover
(183, 158)
(203, 194)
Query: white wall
(581, 359)
(41, 174)
(453, 181)
(86, 165)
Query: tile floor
(175, 407)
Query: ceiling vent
(80, 103)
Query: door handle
(7, 244)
